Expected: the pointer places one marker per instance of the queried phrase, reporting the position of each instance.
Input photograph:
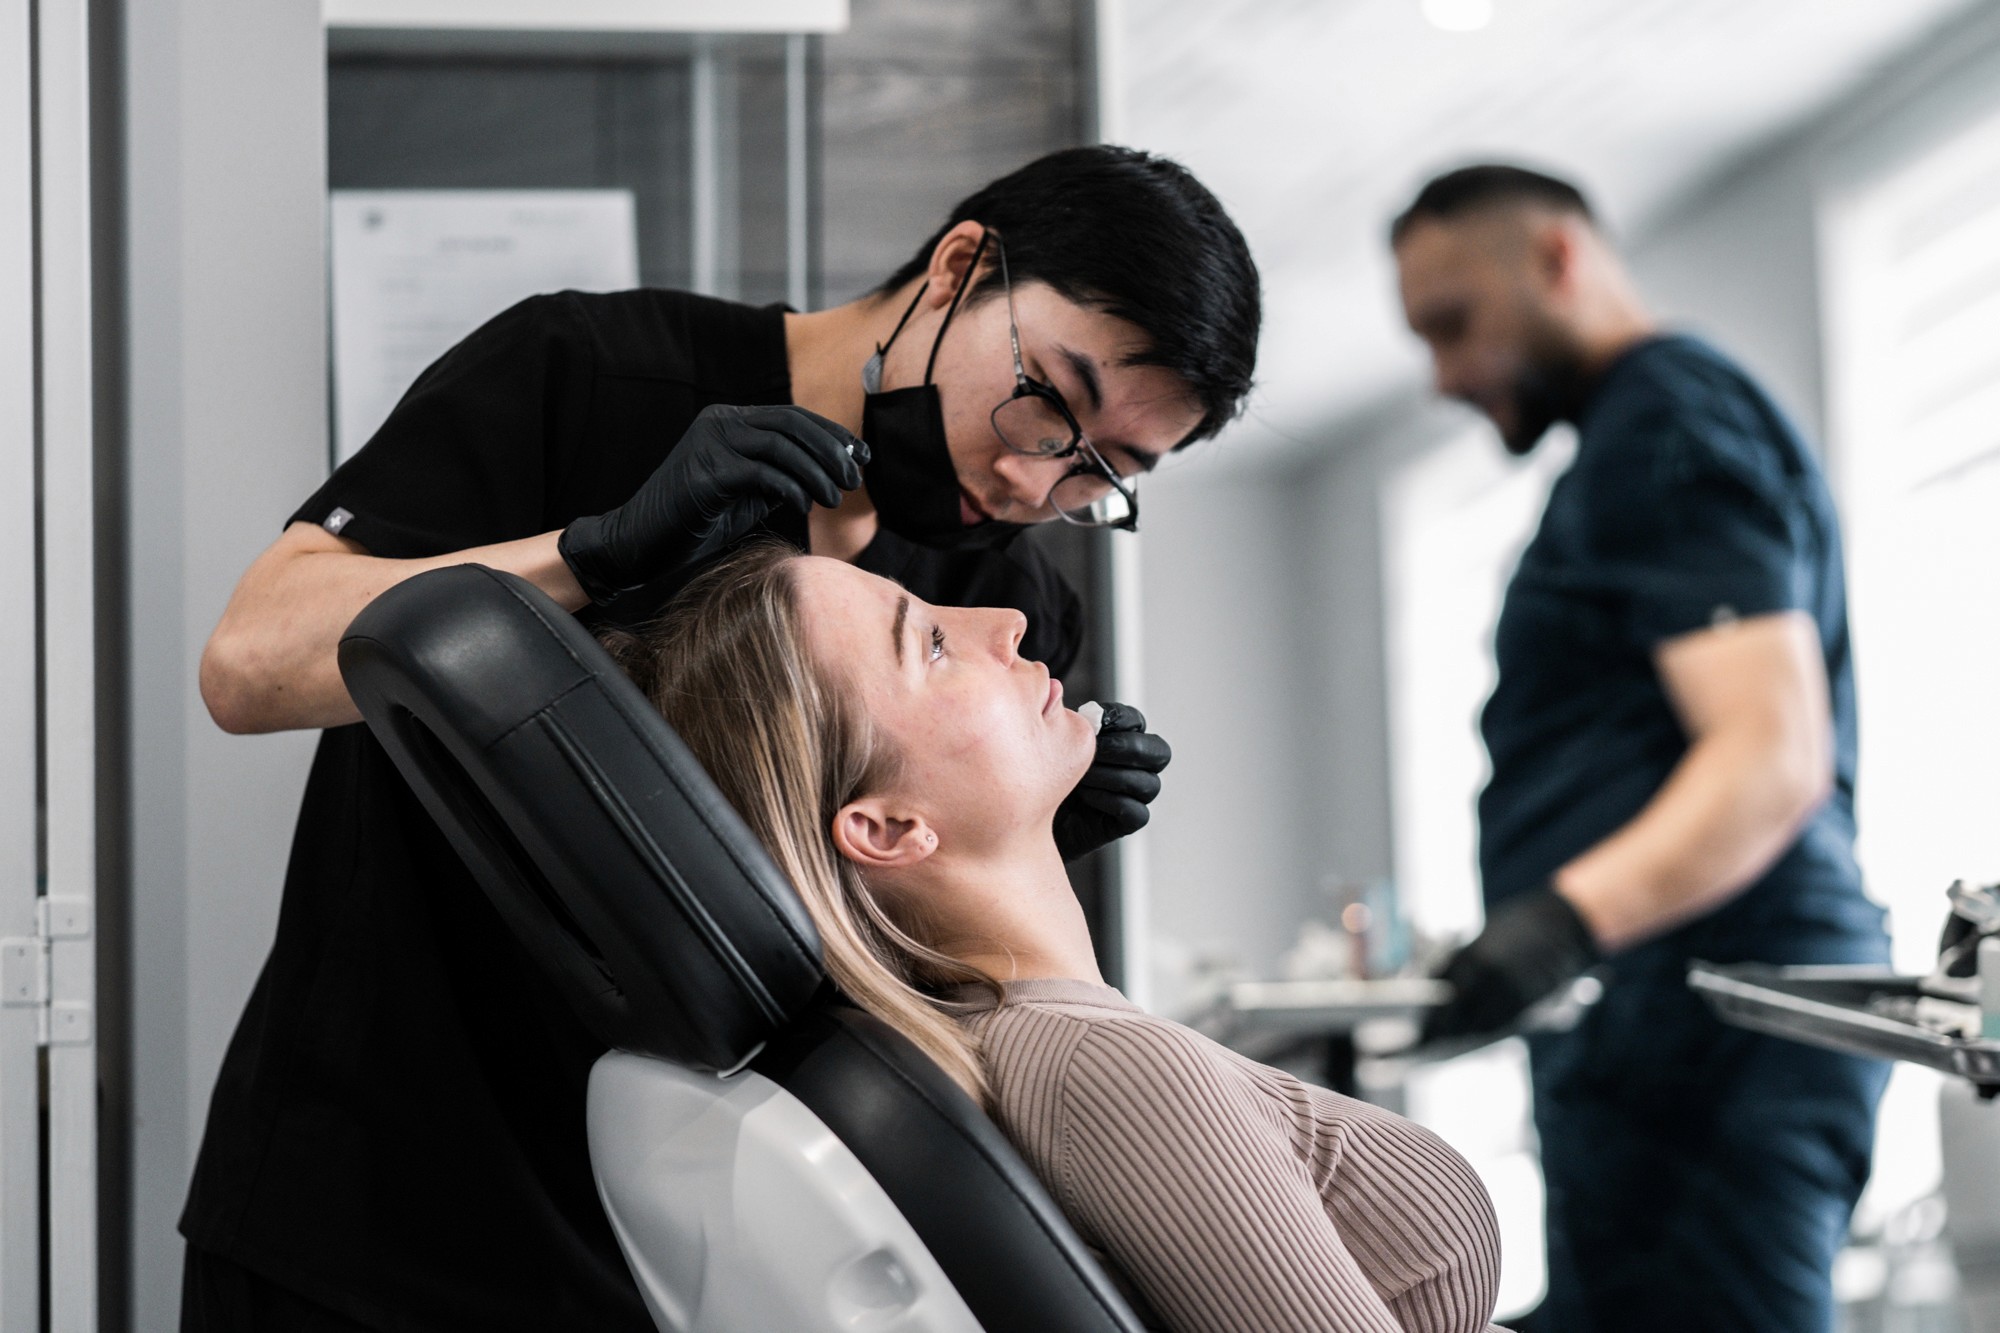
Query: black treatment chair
(771, 1158)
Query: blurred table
(1276, 1020)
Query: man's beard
(1551, 387)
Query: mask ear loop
(871, 373)
(882, 349)
(971, 272)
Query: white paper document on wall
(414, 271)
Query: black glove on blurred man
(1533, 944)
(1111, 800)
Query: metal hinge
(24, 972)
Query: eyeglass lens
(1030, 424)
(1089, 499)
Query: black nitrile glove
(1533, 944)
(734, 466)
(1110, 801)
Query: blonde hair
(728, 667)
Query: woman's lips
(1055, 696)
(969, 512)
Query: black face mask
(910, 476)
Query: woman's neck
(1015, 918)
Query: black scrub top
(398, 1129)
(1692, 501)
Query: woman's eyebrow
(896, 630)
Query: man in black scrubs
(1672, 745)
(396, 1140)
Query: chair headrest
(593, 830)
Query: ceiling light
(1459, 15)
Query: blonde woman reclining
(903, 765)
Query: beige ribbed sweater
(1232, 1195)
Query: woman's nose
(1009, 628)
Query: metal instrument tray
(1328, 1006)
(1863, 1010)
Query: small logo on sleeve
(337, 520)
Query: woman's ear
(867, 833)
(951, 261)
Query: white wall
(1343, 692)
(1220, 618)
(226, 370)
(1263, 652)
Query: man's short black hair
(1473, 189)
(1138, 237)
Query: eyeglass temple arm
(1013, 325)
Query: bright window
(1912, 283)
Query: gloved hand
(1111, 799)
(1533, 943)
(734, 466)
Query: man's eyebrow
(1085, 367)
(1086, 370)
(896, 631)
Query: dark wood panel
(925, 101)
(907, 146)
(968, 35)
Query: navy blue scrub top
(1692, 501)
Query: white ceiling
(1314, 121)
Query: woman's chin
(1083, 751)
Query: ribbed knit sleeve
(1236, 1198)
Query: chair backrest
(663, 922)
(597, 836)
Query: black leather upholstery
(596, 834)
(982, 1213)
(640, 891)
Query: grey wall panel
(226, 411)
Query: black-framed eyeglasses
(1035, 421)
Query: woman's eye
(937, 643)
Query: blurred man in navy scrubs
(1673, 761)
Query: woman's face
(986, 748)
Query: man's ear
(951, 260)
(1558, 249)
(867, 833)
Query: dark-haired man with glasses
(396, 1138)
